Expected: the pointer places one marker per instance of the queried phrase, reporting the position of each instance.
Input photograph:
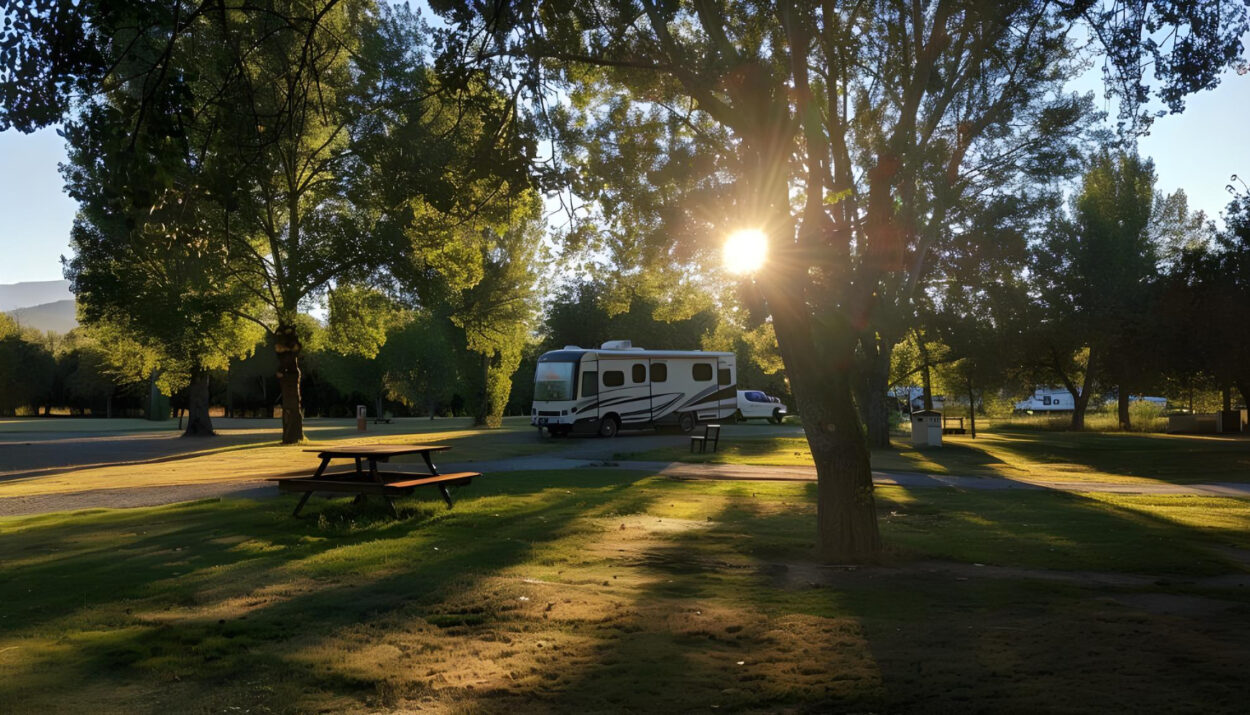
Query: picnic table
(373, 481)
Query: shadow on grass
(159, 578)
(1176, 459)
(235, 604)
(737, 616)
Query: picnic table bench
(711, 435)
(372, 481)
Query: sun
(746, 251)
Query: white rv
(619, 386)
(1047, 399)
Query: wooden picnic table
(373, 481)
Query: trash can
(926, 428)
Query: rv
(913, 398)
(619, 386)
(1047, 399)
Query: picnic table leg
(324, 461)
(429, 463)
(446, 495)
(391, 503)
(302, 500)
(359, 470)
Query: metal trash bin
(926, 428)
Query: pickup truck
(754, 404)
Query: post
(361, 418)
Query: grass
(603, 590)
(1057, 456)
(249, 451)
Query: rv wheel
(686, 422)
(609, 426)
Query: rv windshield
(553, 381)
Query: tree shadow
(719, 608)
(160, 579)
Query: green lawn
(600, 590)
(1068, 456)
(244, 449)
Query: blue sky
(1196, 151)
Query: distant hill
(33, 293)
(58, 316)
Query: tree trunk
(1078, 412)
(1122, 408)
(876, 415)
(926, 378)
(1080, 398)
(199, 422)
(846, 521)
(972, 410)
(1243, 386)
(288, 348)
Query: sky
(1196, 151)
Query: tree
(498, 313)
(293, 146)
(850, 135)
(1095, 272)
(26, 369)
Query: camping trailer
(619, 386)
(1047, 399)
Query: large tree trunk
(199, 422)
(1122, 408)
(846, 523)
(288, 348)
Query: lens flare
(746, 251)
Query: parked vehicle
(753, 404)
(1047, 399)
(619, 386)
(911, 399)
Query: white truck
(618, 386)
(753, 404)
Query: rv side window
(722, 376)
(1046, 400)
(590, 383)
(640, 373)
(613, 378)
(659, 372)
(701, 371)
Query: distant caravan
(1047, 399)
(618, 386)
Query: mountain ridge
(29, 294)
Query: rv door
(726, 382)
(588, 390)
